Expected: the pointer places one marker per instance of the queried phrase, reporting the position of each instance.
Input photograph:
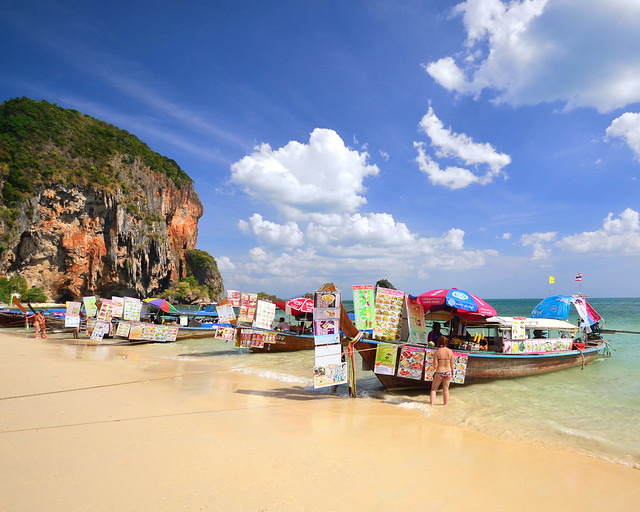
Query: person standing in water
(444, 370)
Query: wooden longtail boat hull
(194, 333)
(12, 319)
(483, 366)
(286, 342)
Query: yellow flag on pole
(552, 279)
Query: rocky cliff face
(89, 209)
(79, 241)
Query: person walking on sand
(444, 370)
(36, 324)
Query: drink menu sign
(417, 327)
(388, 313)
(363, 305)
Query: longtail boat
(529, 356)
(540, 346)
(287, 342)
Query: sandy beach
(85, 432)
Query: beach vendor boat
(298, 337)
(500, 347)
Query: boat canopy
(544, 324)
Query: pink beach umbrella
(458, 300)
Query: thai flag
(579, 276)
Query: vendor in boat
(282, 326)
(538, 334)
(435, 334)
(458, 330)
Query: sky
(481, 145)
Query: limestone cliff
(84, 214)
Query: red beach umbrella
(299, 306)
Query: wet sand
(88, 428)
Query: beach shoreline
(85, 430)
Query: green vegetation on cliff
(203, 281)
(41, 144)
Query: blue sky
(483, 145)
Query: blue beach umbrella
(556, 307)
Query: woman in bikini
(444, 370)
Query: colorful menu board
(459, 366)
(329, 370)
(386, 355)
(265, 313)
(411, 362)
(417, 326)
(518, 331)
(388, 314)
(330, 375)
(90, 306)
(100, 330)
(131, 309)
(226, 313)
(123, 329)
(106, 311)
(226, 333)
(248, 303)
(233, 298)
(118, 306)
(72, 314)
(534, 346)
(363, 305)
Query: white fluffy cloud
(541, 243)
(459, 146)
(627, 126)
(619, 235)
(283, 235)
(322, 177)
(582, 53)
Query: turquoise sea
(593, 411)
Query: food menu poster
(226, 333)
(72, 314)
(386, 355)
(429, 363)
(411, 362)
(363, 305)
(131, 309)
(248, 303)
(225, 314)
(100, 330)
(106, 311)
(388, 313)
(118, 306)
(330, 375)
(460, 362)
(123, 329)
(535, 346)
(518, 331)
(90, 306)
(329, 370)
(325, 299)
(326, 317)
(265, 313)
(417, 326)
(233, 298)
